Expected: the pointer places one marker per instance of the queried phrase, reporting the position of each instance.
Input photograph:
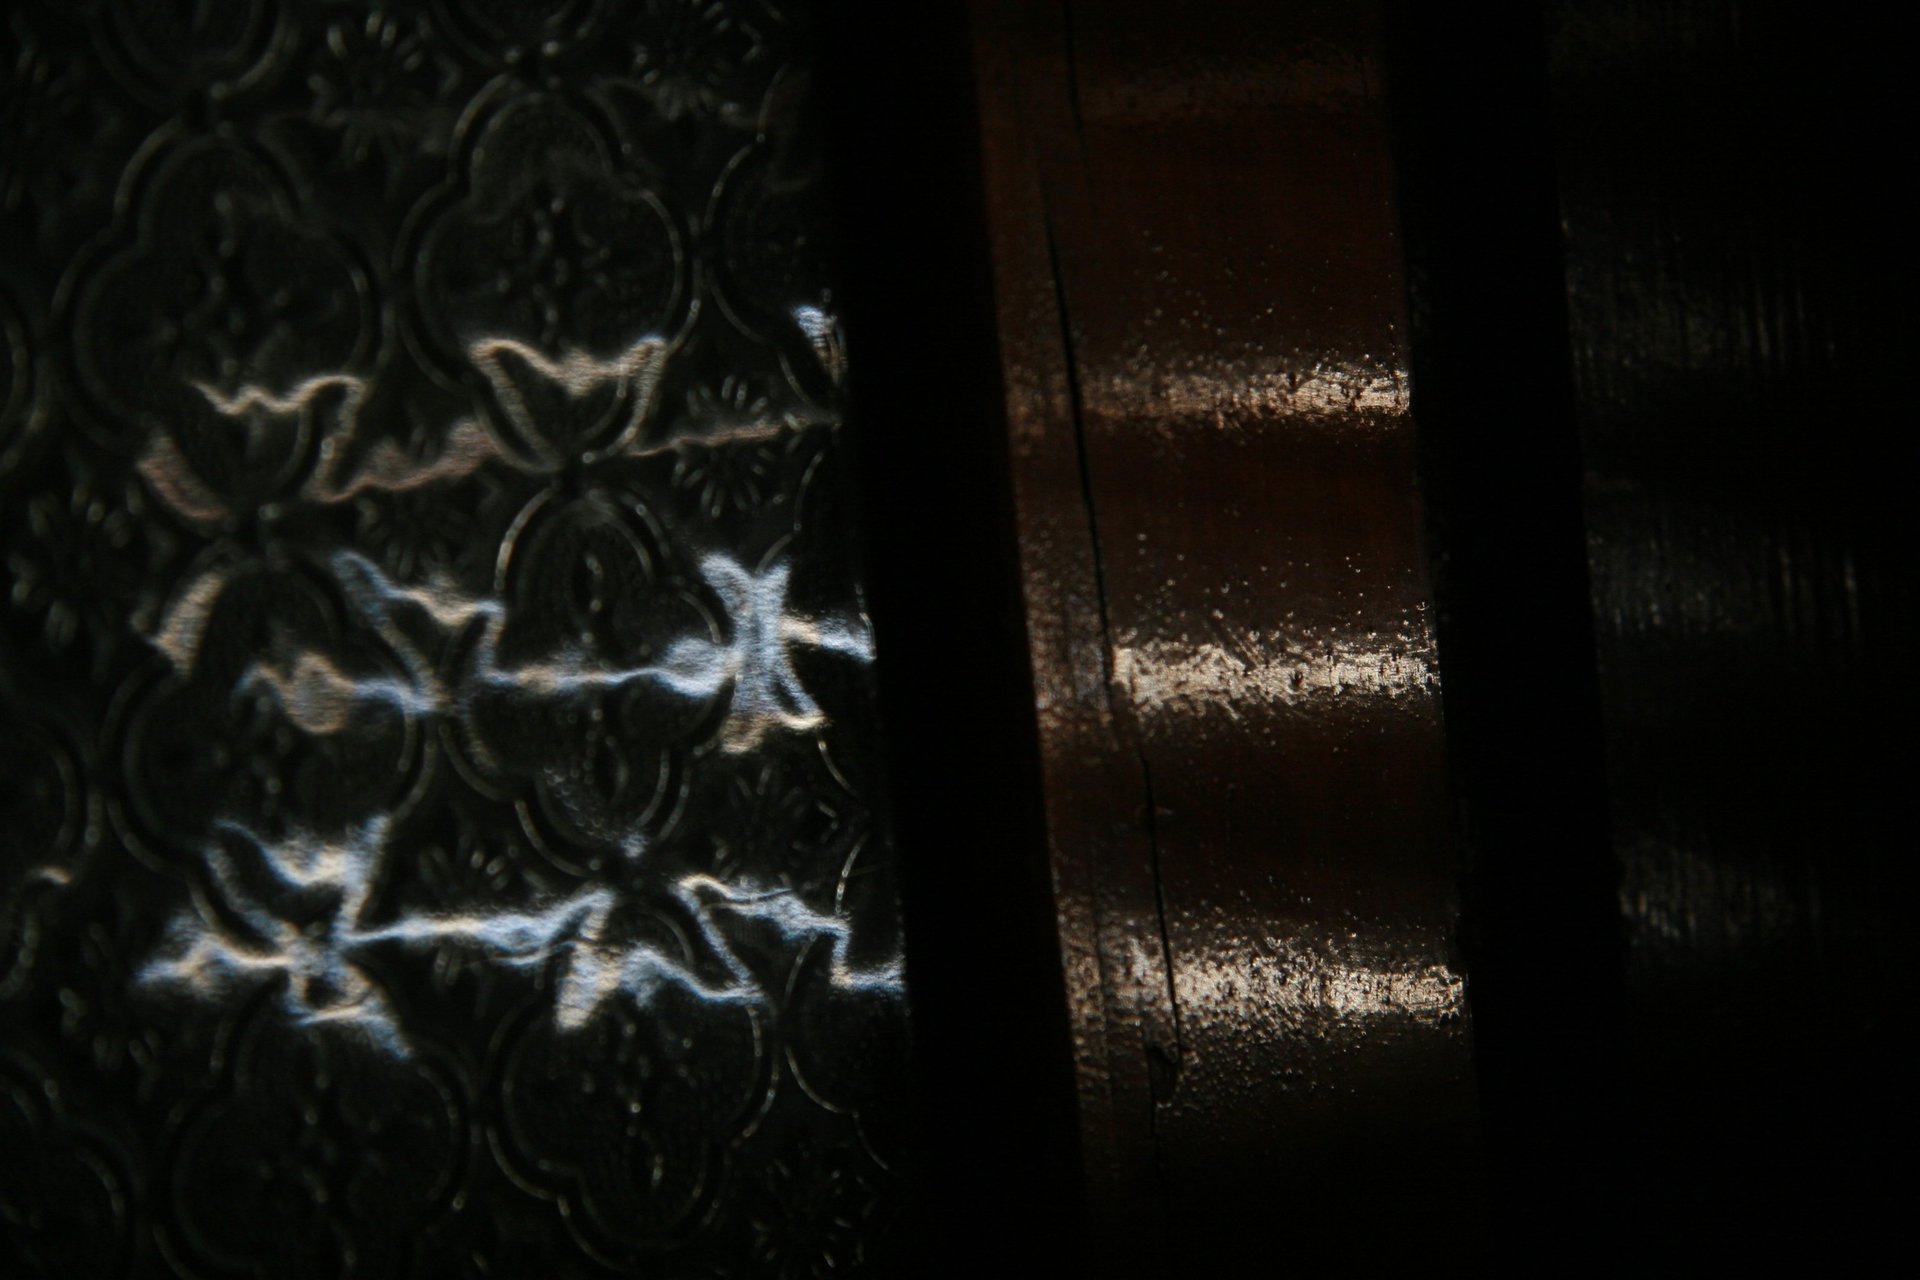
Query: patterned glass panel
(437, 741)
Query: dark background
(1657, 274)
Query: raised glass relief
(437, 741)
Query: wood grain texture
(1739, 296)
(1201, 319)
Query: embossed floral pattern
(435, 704)
(810, 1222)
(18, 411)
(82, 563)
(379, 89)
(64, 1202)
(206, 330)
(42, 809)
(309, 1163)
(697, 56)
(562, 282)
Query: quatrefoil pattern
(436, 712)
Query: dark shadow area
(1500, 472)
(1658, 288)
(999, 1177)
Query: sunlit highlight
(319, 956)
(299, 909)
